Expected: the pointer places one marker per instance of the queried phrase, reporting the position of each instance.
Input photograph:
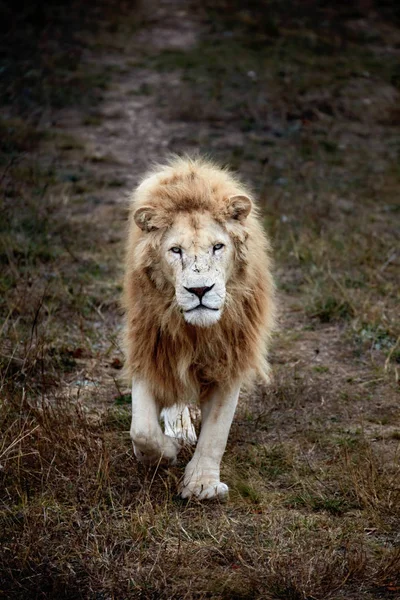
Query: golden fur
(177, 359)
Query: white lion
(199, 311)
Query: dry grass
(81, 518)
(306, 109)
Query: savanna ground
(303, 99)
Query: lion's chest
(209, 362)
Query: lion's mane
(180, 360)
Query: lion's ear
(145, 218)
(239, 207)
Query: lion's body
(177, 358)
(198, 297)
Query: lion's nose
(200, 291)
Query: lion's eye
(218, 247)
(176, 250)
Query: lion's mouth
(199, 307)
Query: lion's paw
(154, 454)
(205, 490)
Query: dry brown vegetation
(303, 99)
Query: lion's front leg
(202, 473)
(150, 444)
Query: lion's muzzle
(202, 304)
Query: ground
(302, 99)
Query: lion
(199, 306)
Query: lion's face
(197, 256)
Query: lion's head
(193, 237)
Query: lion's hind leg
(178, 424)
